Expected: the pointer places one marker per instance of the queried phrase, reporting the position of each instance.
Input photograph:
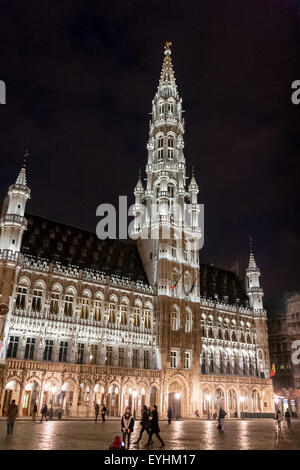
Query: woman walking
(144, 423)
(154, 428)
(127, 425)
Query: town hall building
(130, 322)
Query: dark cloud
(80, 79)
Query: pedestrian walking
(34, 413)
(144, 423)
(11, 415)
(278, 419)
(197, 413)
(44, 412)
(97, 409)
(154, 427)
(287, 416)
(103, 412)
(221, 419)
(170, 414)
(127, 425)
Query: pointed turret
(254, 291)
(13, 222)
(167, 82)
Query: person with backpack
(144, 423)
(127, 425)
(221, 418)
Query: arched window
(170, 108)
(97, 304)
(112, 310)
(161, 108)
(85, 306)
(188, 322)
(170, 148)
(147, 317)
(226, 335)
(37, 296)
(174, 320)
(220, 336)
(123, 313)
(22, 291)
(69, 301)
(137, 315)
(233, 336)
(55, 300)
(160, 148)
(187, 283)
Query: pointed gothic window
(161, 109)
(170, 148)
(170, 108)
(174, 320)
(137, 316)
(97, 309)
(69, 305)
(147, 318)
(37, 300)
(85, 309)
(21, 297)
(54, 303)
(112, 312)
(160, 149)
(123, 314)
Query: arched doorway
(219, 399)
(113, 400)
(99, 394)
(67, 397)
(153, 396)
(30, 398)
(12, 392)
(232, 404)
(176, 396)
(256, 401)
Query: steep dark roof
(73, 246)
(221, 283)
(69, 245)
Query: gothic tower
(167, 228)
(12, 226)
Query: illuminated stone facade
(85, 320)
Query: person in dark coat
(144, 423)
(34, 413)
(44, 412)
(154, 427)
(221, 419)
(11, 417)
(97, 409)
(127, 425)
(287, 416)
(103, 412)
(170, 414)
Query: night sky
(80, 79)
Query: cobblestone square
(180, 435)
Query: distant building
(284, 341)
(84, 320)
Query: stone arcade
(84, 320)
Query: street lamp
(242, 399)
(134, 399)
(208, 398)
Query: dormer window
(170, 108)
(161, 109)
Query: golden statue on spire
(168, 45)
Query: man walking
(96, 412)
(154, 428)
(144, 423)
(222, 414)
(44, 412)
(11, 417)
(103, 412)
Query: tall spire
(167, 82)
(21, 179)
(252, 262)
